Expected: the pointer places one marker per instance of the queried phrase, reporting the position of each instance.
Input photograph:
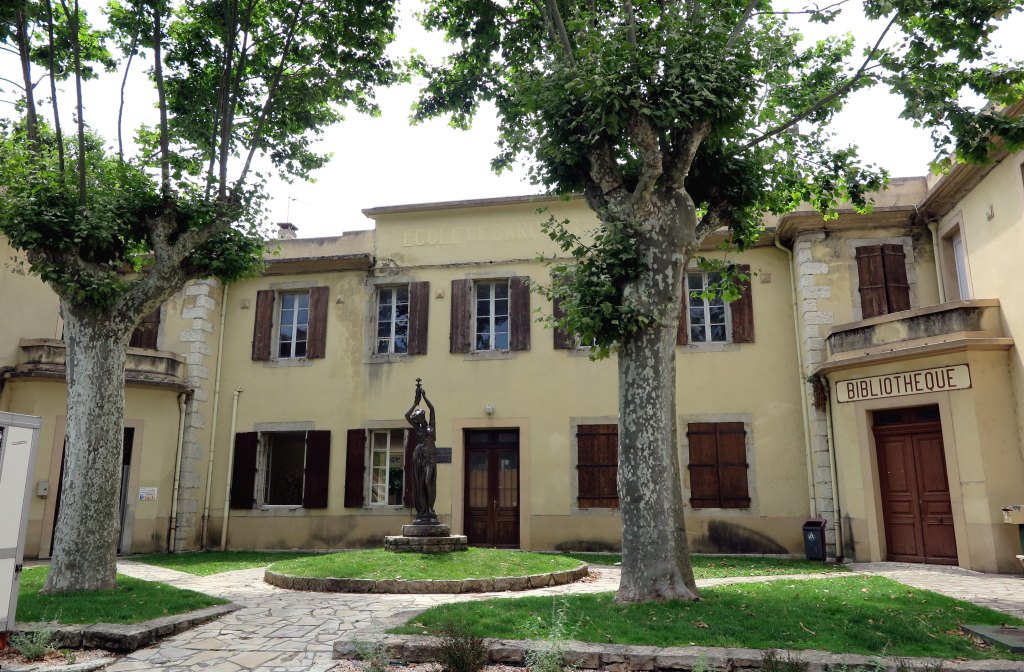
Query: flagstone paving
(280, 630)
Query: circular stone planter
(498, 585)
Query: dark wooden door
(916, 504)
(492, 487)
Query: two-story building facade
(868, 375)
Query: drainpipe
(801, 382)
(213, 429)
(231, 466)
(171, 543)
(933, 226)
(840, 551)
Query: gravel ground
(55, 659)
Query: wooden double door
(915, 488)
(492, 487)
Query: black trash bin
(814, 539)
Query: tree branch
(630, 23)
(158, 75)
(651, 164)
(226, 99)
(603, 170)
(25, 54)
(11, 81)
(124, 82)
(715, 218)
(822, 102)
(682, 155)
(563, 36)
(58, 131)
(257, 134)
(76, 50)
(740, 25)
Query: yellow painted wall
(31, 309)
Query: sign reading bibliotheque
(942, 379)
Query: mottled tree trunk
(85, 540)
(655, 555)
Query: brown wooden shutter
(871, 281)
(743, 311)
(703, 465)
(318, 464)
(897, 287)
(410, 446)
(316, 347)
(683, 331)
(460, 335)
(519, 312)
(243, 471)
(355, 468)
(145, 335)
(562, 338)
(597, 466)
(262, 331)
(419, 310)
(732, 465)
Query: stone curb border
(429, 586)
(630, 658)
(126, 637)
(87, 666)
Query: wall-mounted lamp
(489, 409)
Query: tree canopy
(241, 88)
(679, 119)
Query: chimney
(286, 231)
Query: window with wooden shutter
(462, 298)
(318, 301)
(263, 327)
(718, 465)
(419, 310)
(882, 279)
(318, 462)
(355, 468)
(243, 471)
(145, 335)
(705, 320)
(519, 295)
(597, 466)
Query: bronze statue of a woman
(424, 458)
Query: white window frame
(263, 465)
(279, 322)
(394, 303)
(707, 312)
(492, 300)
(389, 450)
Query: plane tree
(241, 88)
(676, 120)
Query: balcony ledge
(955, 326)
(45, 358)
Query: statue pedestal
(426, 539)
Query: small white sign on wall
(147, 494)
(19, 435)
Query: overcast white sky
(385, 161)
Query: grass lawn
(867, 615)
(377, 564)
(719, 566)
(215, 562)
(132, 601)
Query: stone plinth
(426, 544)
(415, 530)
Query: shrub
(33, 645)
(460, 650)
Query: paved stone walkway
(290, 631)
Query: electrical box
(19, 438)
(42, 489)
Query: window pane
(717, 314)
(380, 458)
(501, 341)
(501, 290)
(402, 294)
(695, 281)
(501, 325)
(697, 315)
(286, 333)
(302, 300)
(300, 349)
(483, 341)
(483, 325)
(285, 461)
(382, 346)
(718, 333)
(401, 344)
(384, 296)
(483, 308)
(287, 302)
(384, 312)
(697, 334)
(384, 330)
(483, 290)
(303, 317)
(300, 333)
(501, 307)
(284, 349)
(402, 311)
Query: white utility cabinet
(19, 438)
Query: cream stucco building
(869, 375)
